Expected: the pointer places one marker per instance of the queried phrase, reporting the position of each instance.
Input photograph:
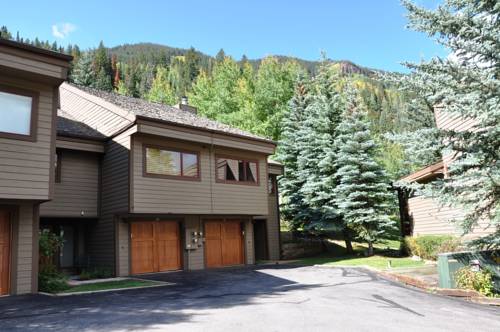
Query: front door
(223, 243)
(155, 246)
(4, 252)
(260, 239)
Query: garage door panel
(4, 252)
(155, 246)
(168, 243)
(213, 244)
(223, 243)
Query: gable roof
(156, 111)
(67, 125)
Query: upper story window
(17, 113)
(231, 170)
(171, 163)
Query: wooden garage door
(155, 246)
(4, 252)
(223, 243)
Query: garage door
(4, 252)
(223, 243)
(155, 246)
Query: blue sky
(371, 33)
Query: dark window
(171, 163)
(237, 171)
(57, 167)
(271, 184)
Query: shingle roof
(157, 111)
(68, 126)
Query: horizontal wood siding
(429, 218)
(79, 187)
(23, 251)
(79, 145)
(123, 250)
(22, 60)
(175, 132)
(249, 245)
(193, 259)
(160, 195)
(114, 200)
(105, 120)
(273, 228)
(25, 166)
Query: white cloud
(62, 30)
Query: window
(237, 171)
(57, 166)
(171, 163)
(271, 184)
(17, 113)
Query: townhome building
(422, 215)
(133, 186)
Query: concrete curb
(158, 284)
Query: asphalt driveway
(266, 298)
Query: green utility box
(450, 263)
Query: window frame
(245, 160)
(34, 95)
(145, 173)
(273, 181)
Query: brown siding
(79, 145)
(18, 59)
(79, 187)
(25, 167)
(193, 259)
(273, 228)
(23, 251)
(249, 245)
(158, 195)
(115, 200)
(429, 218)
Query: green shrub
(96, 273)
(429, 246)
(480, 281)
(50, 280)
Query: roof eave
(212, 131)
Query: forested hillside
(250, 94)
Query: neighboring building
(423, 215)
(135, 187)
(29, 81)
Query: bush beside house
(429, 246)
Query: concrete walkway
(266, 298)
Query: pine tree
(466, 84)
(362, 192)
(83, 73)
(102, 69)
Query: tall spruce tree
(362, 192)
(82, 73)
(465, 85)
(293, 207)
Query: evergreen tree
(5, 33)
(362, 193)
(220, 56)
(465, 85)
(293, 207)
(83, 73)
(102, 69)
(161, 91)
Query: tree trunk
(348, 243)
(370, 248)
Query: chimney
(184, 105)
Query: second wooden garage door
(4, 252)
(223, 243)
(155, 246)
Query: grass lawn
(385, 251)
(127, 283)
(376, 261)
